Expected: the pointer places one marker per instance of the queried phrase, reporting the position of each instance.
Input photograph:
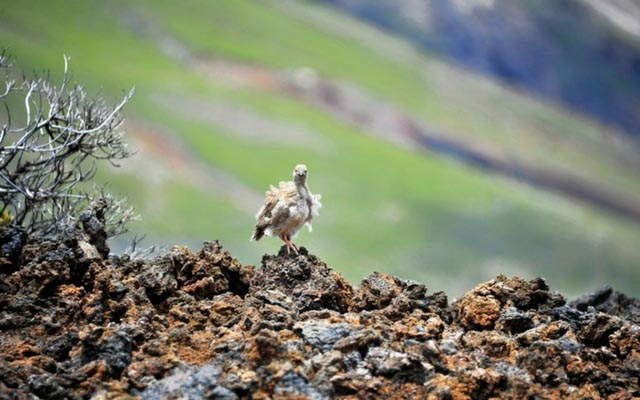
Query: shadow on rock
(76, 324)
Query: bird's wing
(276, 205)
(270, 201)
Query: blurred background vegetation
(451, 140)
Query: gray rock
(12, 239)
(512, 320)
(188, 382)
(159, 280)
(386, 362)
(448, 346)
(610, 302)
(323, 335)
(46, 387)
(93, 224)
(294, 386)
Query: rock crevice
(76, 324)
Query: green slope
(418, 215)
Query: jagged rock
(77, 325)
(189, 383)
(93, 224)
(90, 252)
(323, 335)
(45, 386)
(597, 330)
(386, 362)
(294, 386)
(376, 292)
(12, 239)
(513, 320)
(479, 311)
(611, 302)
(159, 279)
(211, 271)
(306, 279)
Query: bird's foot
(295, 249)
(290, 245)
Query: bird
(287, 208)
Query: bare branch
(55, 152)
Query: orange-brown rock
(75, 324)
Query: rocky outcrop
(76, 325)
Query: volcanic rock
(76, 324)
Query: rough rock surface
(76, 325)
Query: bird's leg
(290, 245)
(293, 246)
(283, 237)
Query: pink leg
(293, 246)
(285, 241)
(289, 244)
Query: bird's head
(300, 173)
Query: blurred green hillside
(231, 95)
(581, 53)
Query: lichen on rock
(77, 324)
